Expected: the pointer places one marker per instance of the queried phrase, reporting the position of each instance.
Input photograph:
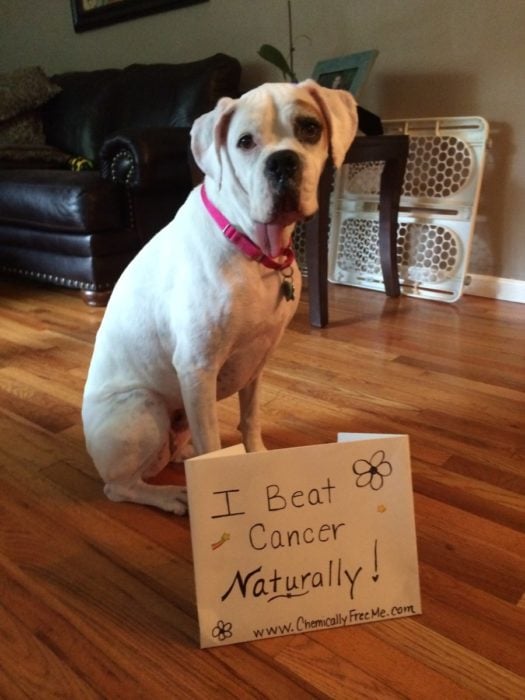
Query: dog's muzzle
(283, 169)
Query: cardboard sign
(301, 539)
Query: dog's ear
(340, 111)
(208, 134)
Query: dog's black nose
(283, 168)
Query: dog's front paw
(180, 504)
(256, 445)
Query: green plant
(276, 58)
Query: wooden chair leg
(92, 298)
(393, 150)
(391, 185)
(317, 253)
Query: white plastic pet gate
(437, 210)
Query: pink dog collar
(242, 242)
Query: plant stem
(290, 36)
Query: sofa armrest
(147, 158)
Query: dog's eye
(246, 142)
(308, 129)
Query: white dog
(195, 315)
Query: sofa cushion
(33, 156)
(77, 271)
(95, 104)
(170, 95)
(61, 201)
(81, 245)
(76, 121)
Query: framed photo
(91, 14)
(347, 72)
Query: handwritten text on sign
(304, 538)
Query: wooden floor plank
(40, 447)
(392, 667)
(471, 549)
(32, 665)
(56, 638)
(143, 624)
(471, 671)
(329, 673)
(471, 495)
(97, 598)
(455, 609)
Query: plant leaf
(275, 57)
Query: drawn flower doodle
(373, 472)
(222, 630)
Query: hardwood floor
(96, 598)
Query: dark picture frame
(347, 72)
(92, 14)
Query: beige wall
(437, 58)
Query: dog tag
(287, 284)
(288, 289)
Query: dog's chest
(245, 361)
(256, 326)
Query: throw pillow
(22, 129)
(24, 89)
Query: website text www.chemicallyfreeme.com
(350, 617)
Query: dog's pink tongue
(269, 238)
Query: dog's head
(266, 151)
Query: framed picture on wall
(91, 14)
(347, 72)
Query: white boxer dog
(195, 315)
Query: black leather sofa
(131, 127)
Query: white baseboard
(496, 288)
